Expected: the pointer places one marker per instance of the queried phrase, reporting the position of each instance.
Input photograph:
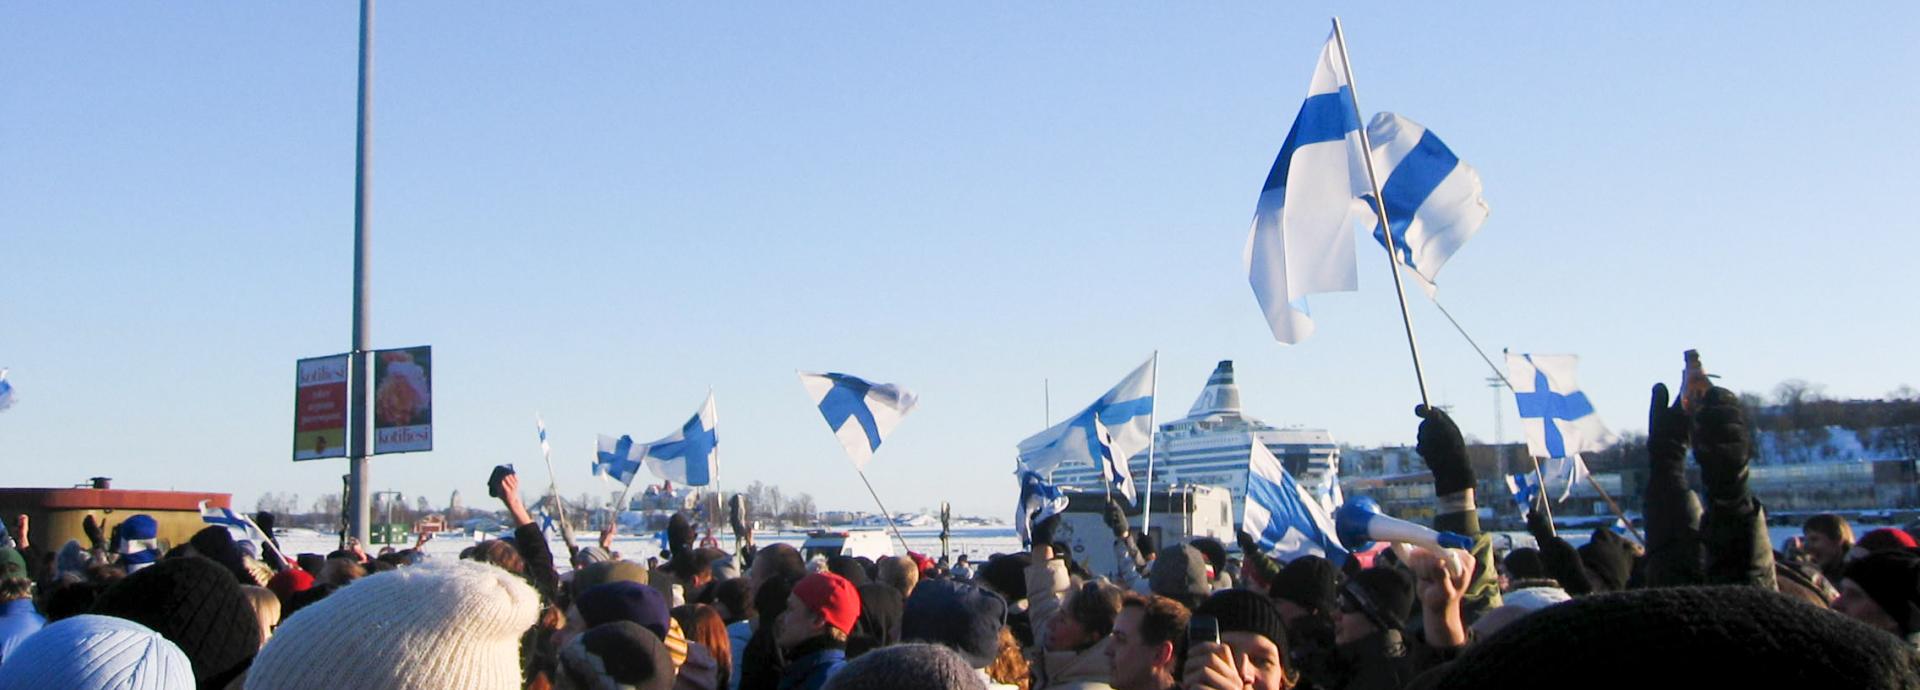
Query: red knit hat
(1886, 539)
(287, 583)
(831, 597)
(921, 562)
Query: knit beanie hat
(1385, 595)
(1214, 551)
(589, 555)
(848, 567)
(96, 653)
(313, 563)
(1718, 637)
(1892, 580)
(1180, 573)
(1308, 581)
(1007, 574)
(72, 559)
(196, 604)
(288, 583)
(139, 542)
(12, 565)
(1609, 559)
(1883, 539)
(608, 571)
(964, 617)
(454, 624)
(621, 600)
(680, 534)
(1240, 610)
(830, 597)
(1525, 564)
(615, 656)
(216, 543)
(928, 666)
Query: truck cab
(870, 543)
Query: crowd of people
(1705, 600)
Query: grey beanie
(910, 665)
(1180, 573)
(965, 617)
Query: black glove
(95, 536)
(1443, 449)
(493, 481)
(265, 520)
(1042, 531)
(1669, 429)
(1537, 523)
(1116, 519)
(1721, 444)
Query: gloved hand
(265, 520)
(1444, 451)
(96, 538)
(1669, 429)
(1116, 519)
(1042, 531)
(1537, 523)
(1722, 444)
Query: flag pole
(553, 488)
(1380, 210)
(1146, 505)
(883, 510)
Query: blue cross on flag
(1107, 434)
(1281, 517)
(860, 412)
(1432, 197)
(690, 455)
(1039, 500)
(1559, 421)
(618, 459)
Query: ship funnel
(1221, 396)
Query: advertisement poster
(403, 400)
(320, 408)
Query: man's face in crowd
(1822, 549)
(1258, 658)
(1133, 659)
(796, 625)
(1351, 625)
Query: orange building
(55, 515)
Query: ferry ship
(1209, 447)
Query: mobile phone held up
(1202, 628)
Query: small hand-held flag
(1285, 520)
(618, 459)
(1559, 421)
(689, 455)
(860, 412)
(1039, 500)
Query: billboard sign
(320, 408)
(403, 400)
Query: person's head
(1180, 574)
(1306, 586)
(1007, 575)
(903, 666)
(1883, 539)
(266, 607)
(339, 572)
(1010, 666)
(900, 572)
(1251, 627)
(776, 561)
(822, 605)
(1882, 590)
(848, 567)
(91, 651)
(195, 603)
(1827, 537)
(965, 617)
(1376, 599)
(700, 623)
(616, 655)
(1214, 551)
(500, 553)
(733, 599)
(624, 600)
(14, 583)
(1148, 637)
(1085, 618)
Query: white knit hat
(96, 653)
(436, 625)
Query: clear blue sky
(598, 211)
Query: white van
(871, 543)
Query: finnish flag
(1432, 198)
(6, 391)
(1282, 518)
(1559, 421)
(1039, 500)
(618, 459)
(237, 525)
(1301, 242)
(691, 454)
(860, 412)
(1106, 434)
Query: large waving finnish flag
(1106, 434)
(1302, 237)
(1281, 517)
(860, 412)
(1559, 421)
(1432, 198)
(691, 454)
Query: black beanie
(1309, 581)
(1892, 580)
(1609, 559)
(1215, 552)
(849, 568)
(1240, 610)
(1710, 637)
(197, 605)
(216, 543)
(1384, 594)
(1525, 564)
(680, 534)
(1007, 574)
